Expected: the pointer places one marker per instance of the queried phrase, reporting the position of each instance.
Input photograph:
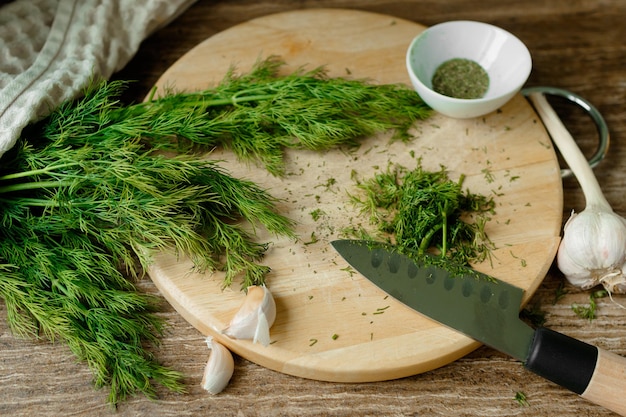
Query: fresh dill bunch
(133, 201)
(259, 114)
(91, 192)
(83, 207)
(426, 212)
(68, 291)
(79, 221)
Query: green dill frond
(87, 196)
(259, 114)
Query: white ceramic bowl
(505, 58)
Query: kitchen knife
(487, 309)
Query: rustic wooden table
(575, 44)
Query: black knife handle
(593, 373)
(562, 359)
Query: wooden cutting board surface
(506, 154)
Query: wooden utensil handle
(608, 383)
(597, 375)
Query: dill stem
(153, 91)
(444, 227)
(34, 185)
(425, 243)
(233, 100)
(34, 172)
(41, 202)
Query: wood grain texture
(316, 297)
(608, 382)
(575, 44)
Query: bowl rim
(485, 99)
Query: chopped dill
(380, 310)
(328, 184)
(313, 239)
(559, 293)
(521, 399)
(349, 270)
(489, 177)
(589, 311)
(317, 214)
(426, 212)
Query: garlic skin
(255, 316)
(593, 250)
(219, 368)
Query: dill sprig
(89, 194)
(426, 212)
(259, 114)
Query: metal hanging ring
(601, 126)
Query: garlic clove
(262, 331)
(255, 316)
(219, 368)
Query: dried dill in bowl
(461, 78)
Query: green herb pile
(88, 195)
(426, 212)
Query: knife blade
(487, 310)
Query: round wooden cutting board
(331, 324)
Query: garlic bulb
(219, 368)
(255, 316)
(593, 248)
(595, 254)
